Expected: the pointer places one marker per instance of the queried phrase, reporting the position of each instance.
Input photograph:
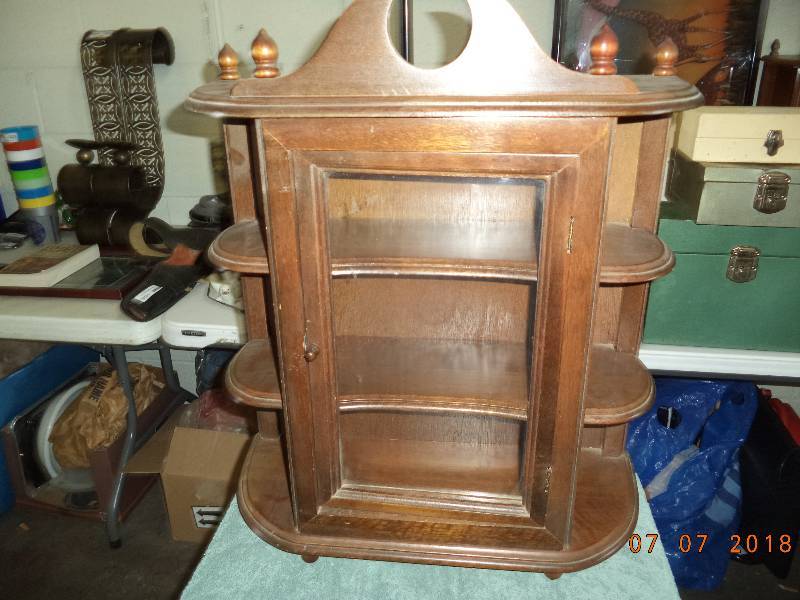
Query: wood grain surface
(444, 288)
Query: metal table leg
(116, 355)
(112, 513)
(166, 365)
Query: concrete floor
(752, 582)
(59, 558)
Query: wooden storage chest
(699, 305)
(740, 134)
(733, 194)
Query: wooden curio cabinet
(445, 273)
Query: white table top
(71, 320)
(197, 321)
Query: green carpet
(237, 564)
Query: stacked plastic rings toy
(31, 180)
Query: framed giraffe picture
(717, 40)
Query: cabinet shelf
(251, 377)
(240, 248)
(425, 375)
(632, 255)
(481, 378)
(505, 250)
(620, 387)
(502, 251)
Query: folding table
(100, 324)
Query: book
(107, 278)
(47, 266)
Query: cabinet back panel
(432, 199)
(455, 453)
(482, 311)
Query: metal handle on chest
(774, 141)
(743, 264)
(772, 192)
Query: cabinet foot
(309, 558)
(553, 575)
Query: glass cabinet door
(433, 289)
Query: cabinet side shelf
(251, 377)
(240, 248)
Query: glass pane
(432, 363)
(435, 452)
(434, 217)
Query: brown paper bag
(98, 416)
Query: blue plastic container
(36, 381)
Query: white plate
(75, 480)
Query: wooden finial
(603, 51)
(265, 55)
(666, 57)
(228, 63)
(775, 48)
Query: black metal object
(770, 467)
(120, 185)
(407, 31)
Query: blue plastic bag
(685, 451)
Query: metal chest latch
(772, 192)
(743, 264)
(774, 141)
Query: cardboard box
(199, 472)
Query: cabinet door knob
(311, 352)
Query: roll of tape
(32, 184)
(27, 164)
(21, 133)
(37, 202)
(17, 156)
(35, 193)
(29, 175)
(26, 145)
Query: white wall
(41, 81)
(441, 30)
(783, 23)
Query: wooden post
(228, 63)
(265, 55)
(666, 57)
(603, 51)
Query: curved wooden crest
(358, 59)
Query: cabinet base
(605, 513)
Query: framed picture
(717, 40)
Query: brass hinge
(570, 234)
